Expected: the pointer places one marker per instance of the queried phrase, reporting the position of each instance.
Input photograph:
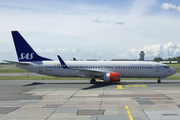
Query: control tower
(142, 54)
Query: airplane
(108, 71)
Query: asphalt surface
(80, 100)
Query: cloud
(69, 25)
(166, 50)
(151, 51)
(149, 13)
(170, 7)
(75, 50)
(97, 21)
(120, 23)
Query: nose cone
(173, 71)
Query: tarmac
(80, 100)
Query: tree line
(167, 59)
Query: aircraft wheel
(159, 81)
(93, 81)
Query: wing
(83, 72)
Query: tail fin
(24, 50)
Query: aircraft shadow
(102, 84)
(93, 86)
(41, 83)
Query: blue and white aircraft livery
(109, 71)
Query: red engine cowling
(112, 77)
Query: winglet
(63, 64)
(74, 58)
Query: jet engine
(112, 77)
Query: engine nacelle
(112, 77)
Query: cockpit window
(166, 66)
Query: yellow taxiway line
(119, 87)
(129, 113)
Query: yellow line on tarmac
(119, 87)
(135, 86)
(129, 113)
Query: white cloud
(166, 50)
(100, 21)
(75, 50)
(68, 27)
(97, 21)
(120, 23)
(169, 6)
(151, 51)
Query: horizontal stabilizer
(19, 63)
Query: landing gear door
(157, 68)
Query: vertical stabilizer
(24, 51)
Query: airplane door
(40, 68)
(157, 68)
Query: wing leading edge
(83, 72)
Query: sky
(92, 29)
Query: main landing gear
(93, 81)
(159, 80)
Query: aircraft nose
(173, 71)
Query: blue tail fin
(24, 51)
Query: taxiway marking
(135, 86)
(129, 113)
(119, 87)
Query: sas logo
(27, 56)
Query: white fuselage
(127, 69)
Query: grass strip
(13, 71)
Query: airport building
(142, 54)
(141, 58)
